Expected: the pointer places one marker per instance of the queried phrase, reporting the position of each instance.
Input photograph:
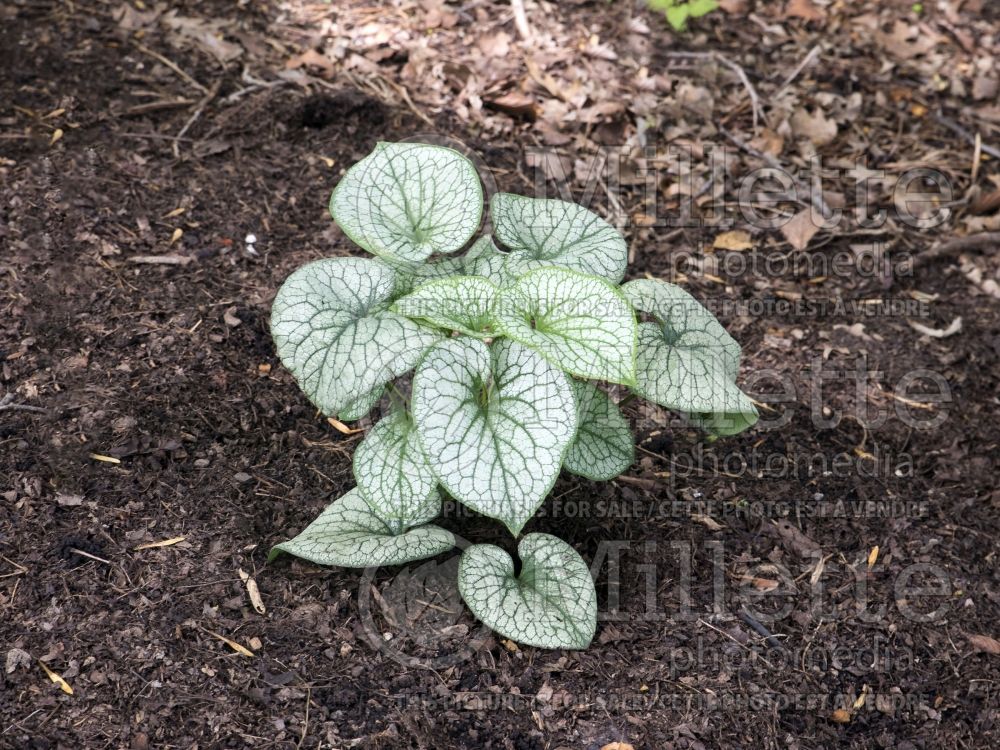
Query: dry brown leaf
(342, 428)
(57, 679)
(801, 229)
(253, 591)
(804, 9)
(312, 59)
(237, 647)
(736, 7)
(514, 104)
(872, 557)
(815, 126)
(985, 644)
(734, 240)
(496, 45)
(841, 716)
(707, 521)
(618, 746)
(769, 142)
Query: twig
(815, 196)
(87, 554)
(754, 99)
(741, 645)
(806, 61)
(197, 113)
(6, 405)
(959, 130)
(761, 630)
(170, 64)
(305, 721)
(521, 20)
(954, 247)
(736, 68)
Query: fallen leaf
(57, 679)
(230, 318)
(105, 459)
(497, 45)
(735, 240)
(202, 33)
(514, 104)
(985, 644)
(800, 229)
(872, 557)
(804, 9)
(69, 500)
(841, 716)
(707, 521)
(312, 59)
(618, 746)
(342, 428)
(237, 647)
(815, 126)
(56, 135)
(253, 591)
(16, 657)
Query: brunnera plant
(510, 351)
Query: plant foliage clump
(510, 350)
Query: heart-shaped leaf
(580, 323)
(552, 604)
(360, 407)
(350, 534)
(459, 303)
(495, 423)
(333, 332)
(393, 475)
(686, 360)
(409, 200)
(603, 447)
(560, 234)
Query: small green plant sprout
(679, 11)
(511, 351)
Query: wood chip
(163, 260)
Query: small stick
(521, 20)
(816, 197)
(806, 61)
(6, 405)
(197, 113)
(170, 64)
(956, 246)
(761, 630)
(959, 130)
(736, 68)
(87, 554)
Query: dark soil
(169, 371)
